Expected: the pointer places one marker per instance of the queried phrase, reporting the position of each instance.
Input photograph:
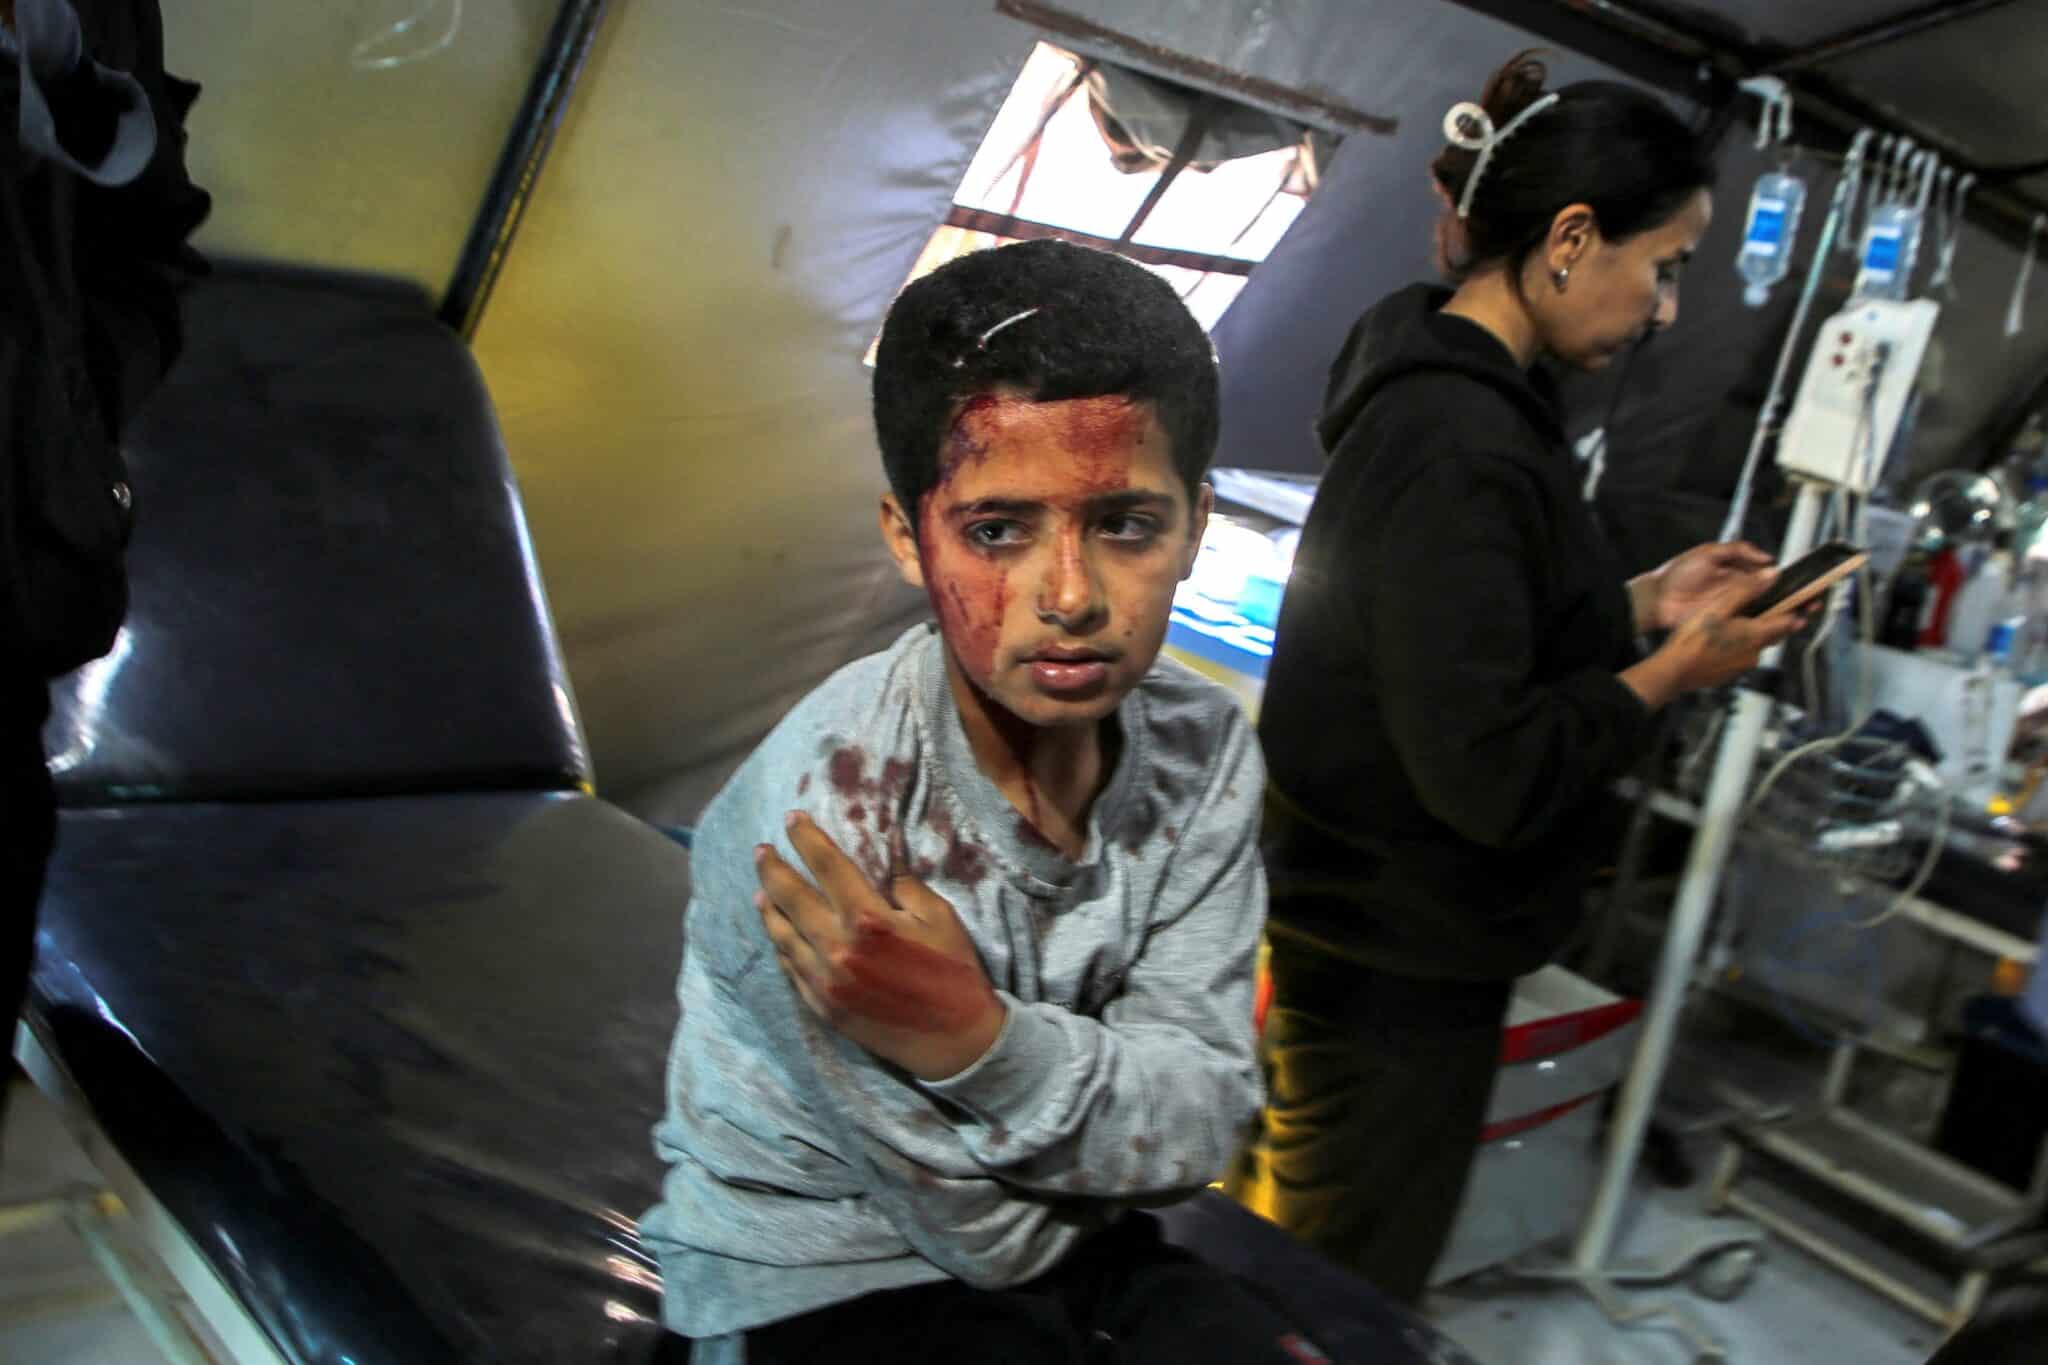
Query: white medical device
(1864, 363)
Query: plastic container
(1566, 1046)
(1981, 604)
(1772, 231)
(1889, 245)
(1945, 578)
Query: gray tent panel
(739, 190)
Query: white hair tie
(1469, 126)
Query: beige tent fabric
(740, 188)
(332, 133)
(676, 353)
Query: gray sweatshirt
(805, 1171)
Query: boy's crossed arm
(1147, 1102)
(901, 979)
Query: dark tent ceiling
(1800, 24)
(1960, 75)
(738, 190)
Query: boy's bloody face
(1050, 546)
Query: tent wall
(1690, 401)
(738, 191)
(1368, 231)
(1693, 400)
(676, 344)
(334, 134)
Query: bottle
(1766, 256)
(1980, 609)
(2000, 645)
(1889, 243)
(1944, 580)
(2031, 517)
(2030, 650)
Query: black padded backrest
(334, 592)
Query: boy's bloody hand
(903, 980)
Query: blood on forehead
(1092, 431)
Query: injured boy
(969, 955)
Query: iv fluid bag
(1767, 241)
(1889, 246)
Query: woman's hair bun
(1607, 145)
(1515, 87)
(1509, 91)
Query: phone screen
(1827, 561)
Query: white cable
(1866, 605)
(1927, 865)
(2016, 310)
(1820, 637)
(1784, 765)
(1923, 169)
(1836, 510)
(1873, 192)
(1904, 157)
(1945, 264)
(1850, 240)
(1863, 702)
(1774, 123)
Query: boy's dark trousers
(1126, 1298)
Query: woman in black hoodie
(1456, 679)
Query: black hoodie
(1442, 716)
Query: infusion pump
(1864, 363)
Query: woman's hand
(1713, 646)
(1666, 598)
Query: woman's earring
(1561, 277)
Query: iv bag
(1773, 228)
(1890, 243)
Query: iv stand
(1770, 420)
(1590, 1266)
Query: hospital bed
(354, 992)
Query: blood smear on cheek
(968, 593)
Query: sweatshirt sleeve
(1151, 1100)
(887, 1130)
(1453, 637)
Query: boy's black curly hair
(1097, 324)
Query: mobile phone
(1808, 577)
